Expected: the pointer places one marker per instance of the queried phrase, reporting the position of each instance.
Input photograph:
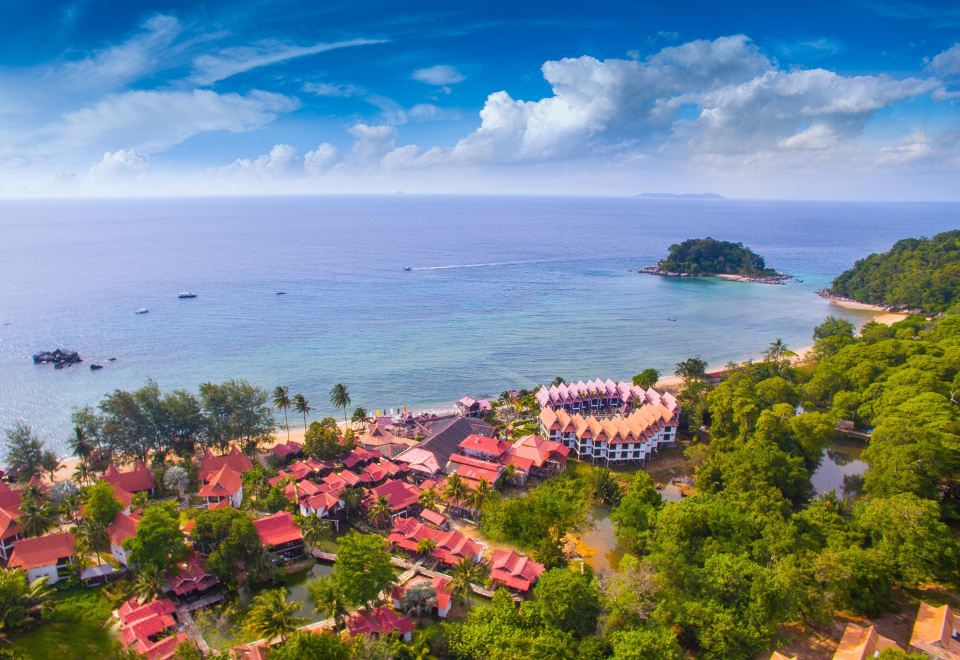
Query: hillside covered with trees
(708, 256)
(917, 273)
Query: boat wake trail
(490, 264)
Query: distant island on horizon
(666, 195)
(708, 257)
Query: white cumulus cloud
(946, 63)
(120, 164)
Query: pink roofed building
(474, 470)
(514, 571)
(280, 535)
(471, 407)
(595, 396)
(150, 629)
(451, 547)
(224, 485)
(284, 451)
(535, 455)
(139, 479)
(191, 579)
(50, 556)
(380, 621)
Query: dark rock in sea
(96, 367)
(113, 359)
(59, 358)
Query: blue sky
(850, 100)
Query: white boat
(186, 294)
(142, 310)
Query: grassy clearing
(76, 627)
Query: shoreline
(775, 278)
(850, 303)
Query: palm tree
(50, 463)
(777, 351)
(281, 401)
(91, 538)
(510, 473)
(80, 445)
(380, 512)
(426, 546)
(328, 599)
(352, 499)
(479, 496)
(149, 583)
(39, 595)
(429, 498)
(302, 406)
(314, 530)
(359, 416)
(340, 398)
(272, 615)
(36, 516)
(467, 573)
(455, 490)
(82, 473)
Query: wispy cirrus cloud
(342, 90)
(439, 75)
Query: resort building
(597, 396)
(860, 643)
(537, 456)
(474, 470)
(48, 556)
(382, 438)
(484, 447)
(439, 584)
(402, 498)
(235, 458)
(9, 534)
(284, 451)
(123, 527)
(936, 632)
(380, 621)
(138, 480)
(192, 581)
(146, 629)
(514, 571)
(428, 458)
(434, 519)
(358, 458)
(280, 535)
(470, 407)
(613, 440)
(224, 485)
(451, 547)
(321, 505)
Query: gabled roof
(163, 649)
(125, 497)
(225, 482)
(535, 450)
(859, 643)
(432, 517)
(399, 494)
(357, 456)
(40, 551)
(636, 426)
(514, 570)
(439, 583)
(381, 621)
(134, 481)
(122, 527)
(277, 529)
(286, 449)
(322, 502)
(132, 611)
(484, 444)
(474, 469)
(191, 575)
(432, 454)
(451, 547)
(8, 523)
(933, 631)
(237, 461)
(9, 498)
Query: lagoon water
(502, 292)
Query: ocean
(503, 292)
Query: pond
(840, 468)
(297, 589)
(601, 549)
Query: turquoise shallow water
(503, 291)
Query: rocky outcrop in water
(59, 358)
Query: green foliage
(568, 600)
(276, 500)
(634, 514)
(303, 645)
(919, 273)
(649, 641)
(24, 452)
(322, 441)
(13, 598)
(363, 567)
(707, 256)
(231, 540)
(694, 368)
(272, 615)
(100, 504)
(647, 378)
(158, 544)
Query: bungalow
(284, 451)
(383, 440)
(224, 485)
(210, 464)
(123, 527)
(434, 519)
(342, 479)
(936, 632)
(192, 580)
(9, 533)
(358, 458)
(470, 407)
(483, 447)
(280, 535)
(860, 643)
(538, 456)
(440, 584)
(145, 629)
(403, 498)
(514, 571)
(595, 396)
(474, 470)
(48, 556)
(138, 480)
(451, 547)
(380, 621)
(428, 458)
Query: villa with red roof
(146, 629)
(474, 470)
(440, 584)
(380, 621)
(322, 505)
(428, 458)
(48, 556)
(533, 455)
(236, 459)
(224, 485)
(9, 512)
(470, 407)
(936, 632)
(287, 450)
(403, 498)
(140, 479)
(359, 457)
(192, 579)
(483, 447)
(514, 571)
(280, 535)
(123, 527)
(451, 547)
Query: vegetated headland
(708, 257)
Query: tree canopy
(708, 256)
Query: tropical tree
(100, 503)
(314, 529)
(359, 416)
(690, 369)
(426, 546)
(158, 543)
(62, 491)
(272, 615)
(380, 512)
(24, 452)
(328, 599)
(479, 496)
(465, 574)
(646, 378)
(419, 600)
(606, 488)
(557, 381)
(281, 401)
(92, 538)
(340, 398)
(363, 568)
(50, 463)
(510, 474)
(82, 474)
(149, 582)
(777, 351)
(429, 498)
(80, 445)
(302, 406)
(176, 478)
(352, 501)
(36, 514)
(455, 490)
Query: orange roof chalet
(537, 451)
(934, 631)
(859, 643)
(225, 482)
(42, 550)
(138, 479)
(277, 529)
(237, 461)
(638, 426)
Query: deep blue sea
(503, 292)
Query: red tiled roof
(399, 494)
(163, 649)
(138, 479)
(125, 497)
(299, 470)
(8, 523)
(9, 498)
(132, 611)
(357, 456)
(536, 451)
(192, 576)
(484, 445)
(432, 517)
(381, 621)
(474, 469)
(439, 583)
(321, 501)
(277, 529)
(514, 570)
(41, 550)
(122, 527)
(285, 449)
(225, 482)
(145, 628)
(235, 459)
(451, 548)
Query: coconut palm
(328, 599)
(455, 490)
(272, 615)
(429, 498)
(510, 473)
(80, 445)
(340, 398)
(36, 515)
(149, 583)
(359, 416)
(379, 513)
(426, 546)
(91, 538)
(479, 496)
(302, 406)
(281, 401)
(777, 351)
(82, 474)
(50, 463)
(39, 595)
(314, 530)
(352, 500)
(467, 573)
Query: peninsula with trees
(708, 257)
(915, 274)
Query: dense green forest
(917, 273)
(708, 256)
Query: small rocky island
(59, 358)
(708, 257)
